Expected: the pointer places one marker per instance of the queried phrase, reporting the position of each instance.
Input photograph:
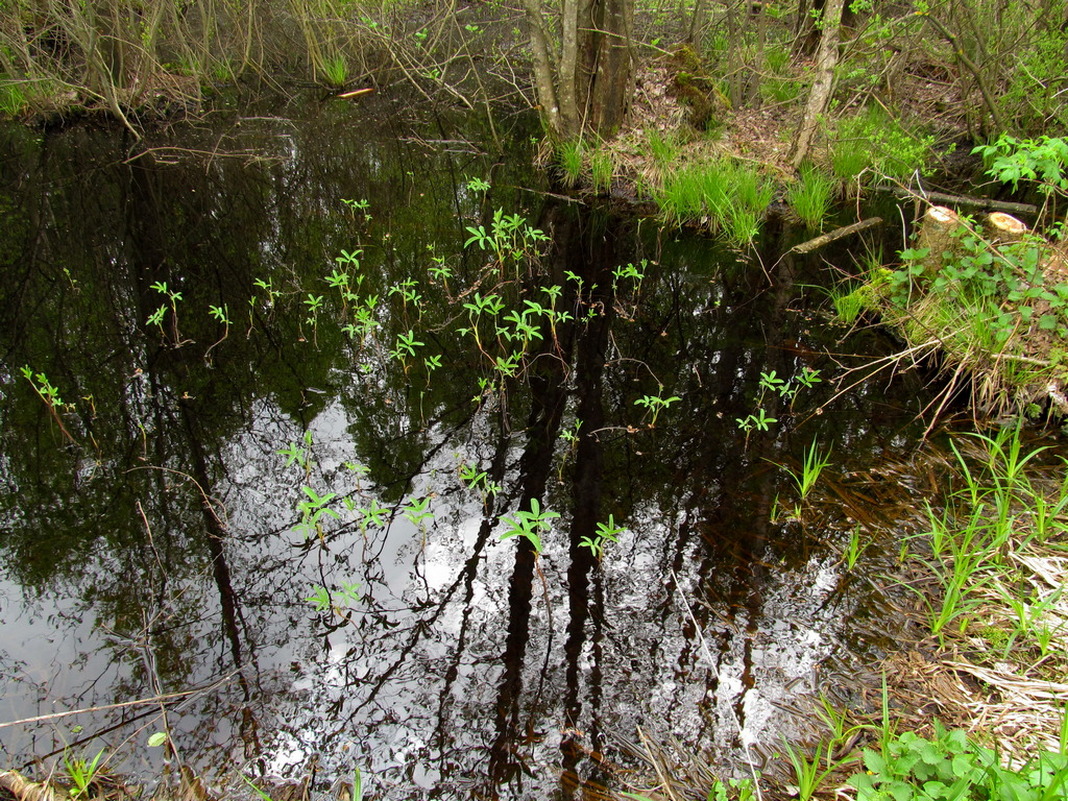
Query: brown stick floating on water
(139, 702)
(837, 233)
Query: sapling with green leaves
(48, 393)
(654, 404)
(606, 532)
(529, 525)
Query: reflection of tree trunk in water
(148, 255)
(215, 533)
(754, 488)
(587, 491)
(548, 392)
(444, 734)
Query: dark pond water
(156, 542)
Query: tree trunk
(585, 86)
(820, 96)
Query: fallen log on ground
(984, 203)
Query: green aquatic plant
(299, 454)
(811, 467)
(82, 774)
(417, 511)
(530, 525)
(654, 404)
(606, 532)
(312, 512)
(48, 393)
(157, 317)
(374, 515)
(854, 548)
(339, 600)
(510, 237)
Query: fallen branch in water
(139, 702)
(838, 233)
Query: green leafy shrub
(1040, 161)
(1008, 280)
(872, 139)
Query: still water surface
(156, 543)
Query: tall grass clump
(978, 543)
(728, 196)
(13, 100)
(664, 147)
(810, 196)
(335, 70)
(570, 158)
(601, 169)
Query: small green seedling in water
(82, 774)
(221, 313)
(759, 421)
(50, 395)
(606, 532)
(341, 599)
(529, 525)
(655, 404)
(418, 511)
(359, 205)
(312, 512)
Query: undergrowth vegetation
(983, 579)
(988, 296)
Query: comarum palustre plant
(654, 404)
(529, 525)
(48, 393)
(606, 532)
